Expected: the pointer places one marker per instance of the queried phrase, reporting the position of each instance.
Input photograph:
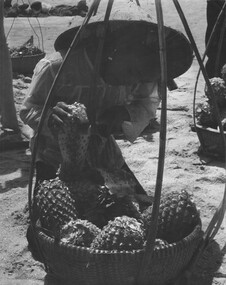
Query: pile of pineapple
(205, 114)
(104, 213)
(28, 48)
(90, 216)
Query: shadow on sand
(14, 169)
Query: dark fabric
(213, 10)
(7, 3)
(139, 188)
(32, 245)
(44, 172)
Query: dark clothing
(213, 10)
(46, 172)
(7, 4)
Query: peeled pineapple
(79, 233)
(178, 216)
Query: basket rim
(28, 56)
(186, 240)
(208, 129)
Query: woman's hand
(59, 113)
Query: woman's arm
(132, 117)
(143, 107)
(42, 80)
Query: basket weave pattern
(26, 64)
(81, 266)
(211, 142)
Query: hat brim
(130, 34)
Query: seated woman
(120, 108)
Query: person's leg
(8, 116)
(212, 12)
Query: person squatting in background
(39, 8)
(42, 8)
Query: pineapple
(178, 216)
(205, 115)
(73, 139)
(79, 233)
(160, 243)
(219, 90)
(91, 201)
(54, 201)
(123, 233)
(55, 204)
(123, 207)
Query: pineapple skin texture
(178, 216)
(219, 89)
(123, 233)
(54, 204)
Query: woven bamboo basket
(81, 266)
(26, 64)
(211, 142)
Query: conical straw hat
(131, 42)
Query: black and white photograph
(113, 142)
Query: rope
(152, 232)
(10, 28)
(40, 29)
(93, 102)
(41, 46)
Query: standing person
(7, 107)
(12, 134)
(213, 9)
